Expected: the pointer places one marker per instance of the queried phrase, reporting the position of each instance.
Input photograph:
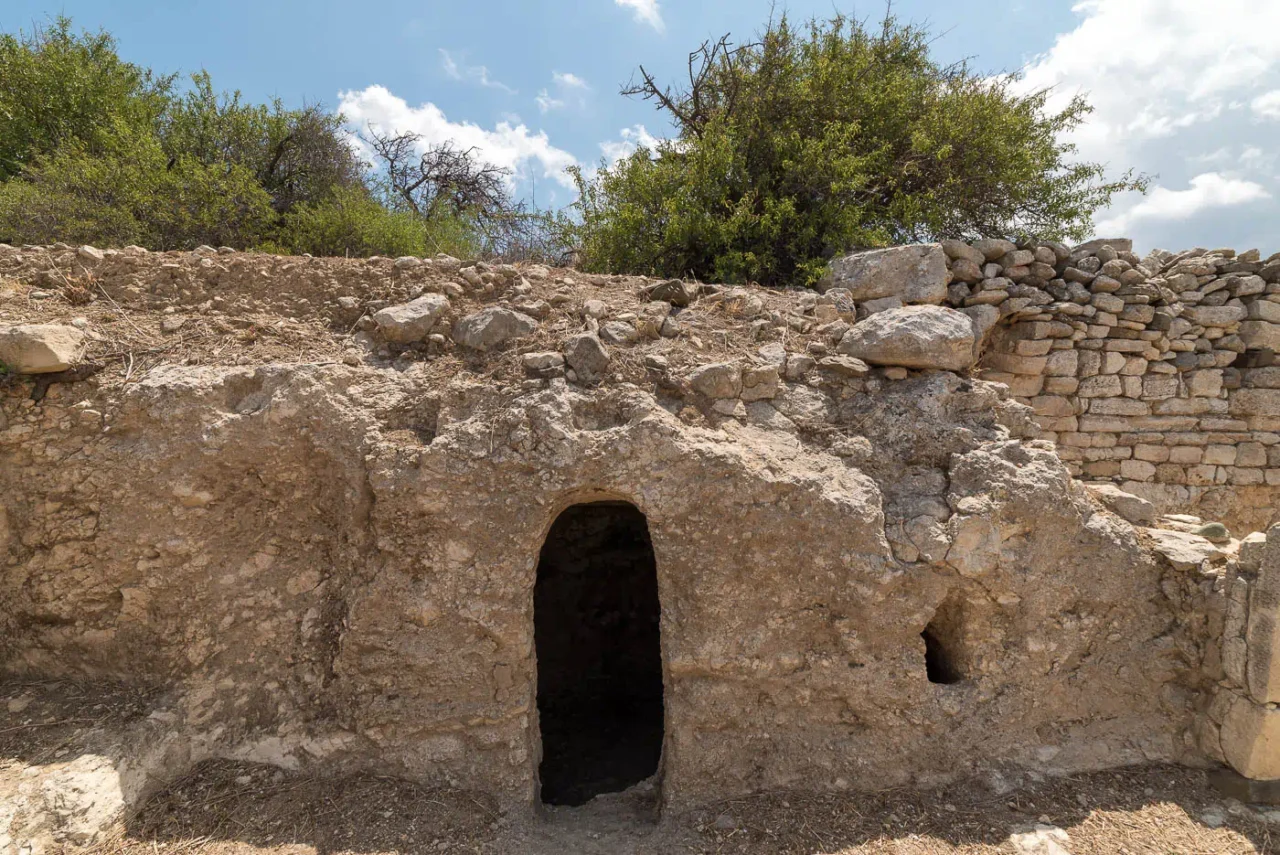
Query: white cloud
(1209, 191)
(1217, 157)
(569, 81)
(546, 103)
(509, 145)
(634, 137)
(1176, 89)
(1267, 105)
(1258, 161)
(570, 89)
(1183, 68)
(645, 11)
(473, 73)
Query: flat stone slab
(1133, 508)
(1184, 551)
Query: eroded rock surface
(322, 542)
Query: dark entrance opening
(938, 661)
(596, 614)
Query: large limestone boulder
(915, 274)
(491, 327)
(913, 337)
(412, 321)
(40, 348)
(722, 380)
(1091, 246)
(1214, 316)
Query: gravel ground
(233, 809)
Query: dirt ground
(253, 309)
(232, 809)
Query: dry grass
(1155, 809)
(232, 809)
(226, 808)
(43, 720)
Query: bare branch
(714, 81)
(440, 178)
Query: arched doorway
(596, 629)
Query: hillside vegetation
(94, 149)
(808, 142)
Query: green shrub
(351, 223)
(822, 139)
(130, 192)
(297, 156)
(59, 88)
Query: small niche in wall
(939, 662)
(946, 654)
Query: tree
(296, 155)
(439, 179)
(128, 190)
(57, 88)
(824, 138)
(465, 201)
(97, 150)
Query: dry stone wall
(1154, 372)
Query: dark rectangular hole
(939, 661)
(596, 629)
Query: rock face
(913, 337)
(915, 274)
(492, 327)
(364, 598)
(330, 557)
(40, 348)
(1242, 727)
(412, 321)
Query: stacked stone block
(1145, 371)
(1242, 727)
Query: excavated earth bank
(291, 512)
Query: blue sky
(1185, 90)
